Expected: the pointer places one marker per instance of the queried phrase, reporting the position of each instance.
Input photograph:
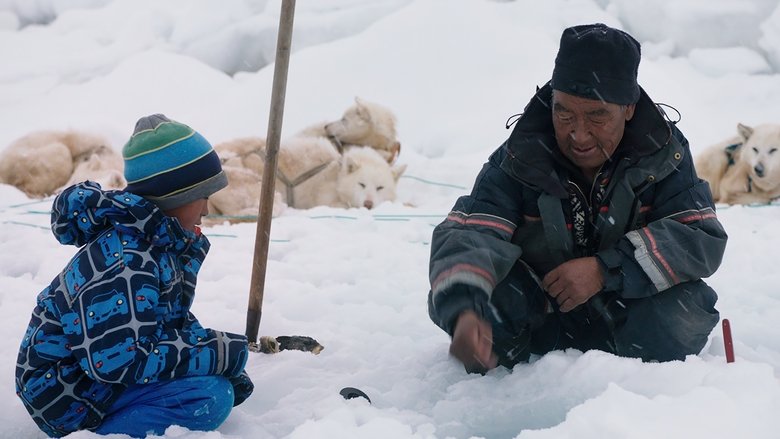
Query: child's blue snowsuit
(113, 330)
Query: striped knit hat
(170, 164)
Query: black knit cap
(598, 62)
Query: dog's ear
(397, 171)
(395, 149)
(116, 180)
(744, 131)
(350, 164)
(362, 109)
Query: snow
(356, 280)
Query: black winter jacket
(653, 227)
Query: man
(588, 228)
(112, 346)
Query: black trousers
(663, 327)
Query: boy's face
(189, 215)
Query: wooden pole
(263, 234)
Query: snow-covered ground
(356, 280)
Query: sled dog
(362, 124)
(744, 169)
(310, 172)
(42, 162)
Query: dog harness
(730, 151)
(336, 144)
(290, 185)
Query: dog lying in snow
(363, 124)
(744, 169)
(42, 162)
(310, 172)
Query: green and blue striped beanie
(170, 164)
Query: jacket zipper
(588, 199)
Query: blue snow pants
(197, 403)
(666, 326)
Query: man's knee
(519, 299)
(669, 325)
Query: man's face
(189, 215)
(588, 131)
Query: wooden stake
(263, 234)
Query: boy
(112, 346)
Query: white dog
(42, 162)
(363, 124)
(365, 179)
(104, 166)
(744, 169)
(309, 173)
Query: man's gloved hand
(242, 387)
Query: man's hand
(472, 343)
(574, 282)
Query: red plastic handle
(727, 342)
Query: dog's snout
(368, 204)
(759, 169)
